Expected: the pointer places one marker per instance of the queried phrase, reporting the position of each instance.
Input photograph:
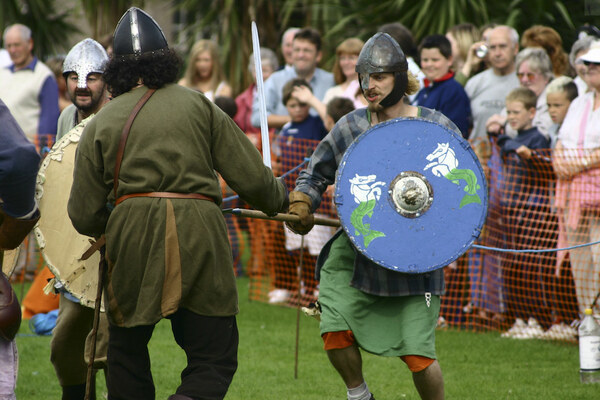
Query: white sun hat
(593, 54)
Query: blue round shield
(411, 195)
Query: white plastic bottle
(589, 349)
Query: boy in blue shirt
(302, 124)
(441, 92)
(520, 112)
(527, 210)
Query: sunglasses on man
(529, 75)
(588, 63)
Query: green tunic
(166, 253)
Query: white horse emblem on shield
(445, 160)
(443, 163)
(364, 188)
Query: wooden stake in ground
(97, 246)
(299, 275)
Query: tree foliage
(340, 19)
(228, 21)
(103, 15)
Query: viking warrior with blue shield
(364, 305)
(151, 154)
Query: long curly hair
(155, 69)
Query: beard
(89, 105)
(375, 107)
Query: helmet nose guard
(86, 57)
(364, 79)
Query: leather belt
(168, 195)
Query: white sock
(359, 393)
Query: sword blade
(264, 128)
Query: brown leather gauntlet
(300, 205)
(13, 231)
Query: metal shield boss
(60, 244)
(411, 195)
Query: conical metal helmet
(137, 33)
(382, 53)
(84, 58)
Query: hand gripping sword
(264, 128)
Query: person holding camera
(488, 89)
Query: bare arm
(305, 95)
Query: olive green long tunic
(166, 253)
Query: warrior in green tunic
(167, 247)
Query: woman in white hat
(577, 165)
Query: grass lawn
(475, 365)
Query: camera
(481, 51)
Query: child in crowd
(526, 203)
(297, 139)
(227, 104)
(441, 92)
(336, 109)
(520, 110)
(302, 124)
(560, 92)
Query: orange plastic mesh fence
(277, 272)
(485, 289)
(529, 208)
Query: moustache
(82, 92)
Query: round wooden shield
(60, 244)
(411, 195)
(9, 261)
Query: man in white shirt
(27, 86)
(4, 58)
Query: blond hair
(413, 85)
(465, 35)
(216, 75)
(523, 95)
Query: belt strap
(125, 134)
(168, 195)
